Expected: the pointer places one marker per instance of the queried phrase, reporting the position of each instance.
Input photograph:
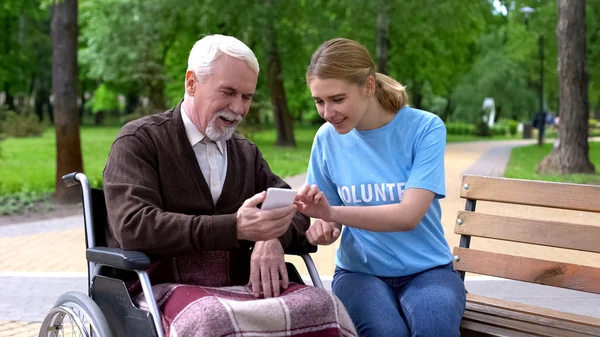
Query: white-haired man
(181, 187)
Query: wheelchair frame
(103, 289)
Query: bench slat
(542, 316)
(534, 193)
(546, 233)
(526, 327)
(475, 329)
(534, 310)
(564, 275)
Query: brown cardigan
(159, 203)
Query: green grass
(29, 164)
(471, 138)
(523, 162)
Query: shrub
(460, 128)
(512, 127)
(498, 130)
(25, 124)
(25, 201)
(483, 130)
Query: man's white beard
(216, 133)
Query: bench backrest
(580, 237)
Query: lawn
(29, 163)
(524, 160)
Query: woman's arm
(401, 217)
(404, 216)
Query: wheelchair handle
(70, 179)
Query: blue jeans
(427, 304)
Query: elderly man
(183, 188)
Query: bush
(460, 128)
(512, 127)
(139, 112)
(498, 130)
(483, 130)
(25, 201)
(24, 124)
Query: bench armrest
(300, 247)
(118, 258)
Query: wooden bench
(486, 316)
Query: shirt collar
(194, 135)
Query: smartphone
(278, 197)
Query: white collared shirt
(211, 156)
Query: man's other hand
(266, 264)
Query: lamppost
(539, 121)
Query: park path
(41, 260)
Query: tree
(283, 119)
(382, 35)
(64, 32)
(572, 153)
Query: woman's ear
(370, 86)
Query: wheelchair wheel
(75, 314)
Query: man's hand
(266, 264)
(323, 232)
(254, 224)
(313, 203)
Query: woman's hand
(312, 202)
(323, 233)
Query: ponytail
(390, 93)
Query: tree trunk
(572, 153)
(64, 88)
(448, 109)
(417, 97)
(9, 100)
(283, 119)
(132, 102)
(83, 101)
(157, 96)
(382, 35)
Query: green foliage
(483, 130)
(25, 46)
(25, 201)
(524, 160)
(25, 124)
(104, 99)
(460, 128)
(495, 74)
(499, 130)
(512, 127)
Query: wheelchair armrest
(118, 258)
(300, 247)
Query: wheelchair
(107, 309)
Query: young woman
(377, 167)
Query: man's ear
(190, 80)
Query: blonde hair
(348, 60)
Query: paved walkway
(42, 260)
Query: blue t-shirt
(375, 167)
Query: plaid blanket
(190, 311)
